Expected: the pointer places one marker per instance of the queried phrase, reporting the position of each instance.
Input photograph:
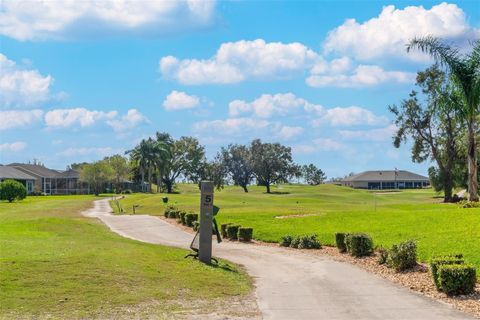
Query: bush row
(452, 275)
(400, 257)
(182, 217)
(357, 244)
(236, 232)
(301, 242)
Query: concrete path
(293, 285)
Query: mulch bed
(418, 279)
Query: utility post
(206, 216)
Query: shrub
(190, 218)
(245, 234)
(232, 231)
(309, 242)
(340, 241)
(196, 225)
(403, 256)
(455, 279)
(127, 191)
(286, 241)
(436, 262)
(223, 228)
(173, 214)
(169, 209)
(295, 243)
(359, 244)
(182, 217)
(382, 255)
(11, 190)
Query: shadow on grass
(278, 192)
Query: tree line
(443, 121)
(162, 161)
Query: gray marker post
(206, 215)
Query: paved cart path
(293, 285)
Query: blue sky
(84, 80)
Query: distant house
(386, 179)
(27, 180)
(53, 182)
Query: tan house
(386, 179)
(53, 182)
(7, 173)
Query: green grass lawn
(56, 263)
(438, 228)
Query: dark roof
(42, 171)
(12, 173)
(386, 175)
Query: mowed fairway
(55, 263)
(438, 228)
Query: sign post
(206, 216)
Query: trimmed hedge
(190, 218)
(455, 279)
(170, 211)
(232, 231)
(196, 225)
(403, 256)
(245, 234)
(437, 262)
(359, 244)
(182, 217)
(223, 230)
(340, 241)
(382, 255)
(285, 241)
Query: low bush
(168, 210)
(359, 244)
(382, 255)
(309, 242)
(295, 243)
(245, 234)
(285, 241)
(232, 231)
(223, 229)
(340, 241)
(196, 225)
(455, 279)
(403, 256)
(437, 262)
(190, 218)
(11, 190)
(173, 214)
(182, 217)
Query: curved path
(294, 285)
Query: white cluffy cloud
(13, 147)
(232, 126)
(268, 105)
(63, 118)
(361, 76)
(387, 34)
(11, 119)
(38, 20)
(349, 116)
(236, 61)
(378, 134)
(178, 100)
(20, 87)
(319, 144)
(129, 121)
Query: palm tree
(162, 154)
(465, 72)
(140, 155)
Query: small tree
(120, 168)
(11, 190)
(237, 160)
(96, 175)
(272, 163)
(313, 175)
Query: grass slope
(411, 214)
(56, 263)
